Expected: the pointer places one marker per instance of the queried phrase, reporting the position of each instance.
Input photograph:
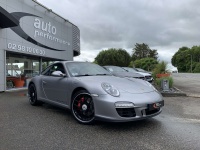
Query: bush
(160, 68)
(144, 63)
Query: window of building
(20, 69)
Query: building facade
(31, 37)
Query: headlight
(149, 84)
(110, 89)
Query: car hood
(144, 74)
(129, 85)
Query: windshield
(115, 69)
(85, 69)
(141, 70)
(130, 70)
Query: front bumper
(105, 107)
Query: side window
(59, 67)
(46, 72)
(52, 68)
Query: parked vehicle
(120, 72)
(91, 93)
(142, 70)
(148, 77)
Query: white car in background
(147, 76)
(141, 70)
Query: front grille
(126, 112)
(150, 112)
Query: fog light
(124, 105)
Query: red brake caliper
(80, 101)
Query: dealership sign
(47, 31)
(42, 29)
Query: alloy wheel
(83, 108)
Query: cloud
(162, 24)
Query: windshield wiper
(83, 75)
(103, 74)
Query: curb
(189, 94)
(164, 94)
(179, 93)
(175, 94)
(193, 95)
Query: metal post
(40, 65)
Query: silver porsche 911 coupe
(92, 93)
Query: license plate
(155, 105)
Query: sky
(165, 25)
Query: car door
(55, 87)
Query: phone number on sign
(25, 49)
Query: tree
(153, 54)
(185, 58)
(197, 68)
(112, 56)
(144, 63)
(142, 51)
(196, 53)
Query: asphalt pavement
(26, 127)
(188, 83)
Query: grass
(159, 80)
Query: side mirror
(58, 74)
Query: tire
(33, 95)
(83, 107)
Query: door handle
(44, 82)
